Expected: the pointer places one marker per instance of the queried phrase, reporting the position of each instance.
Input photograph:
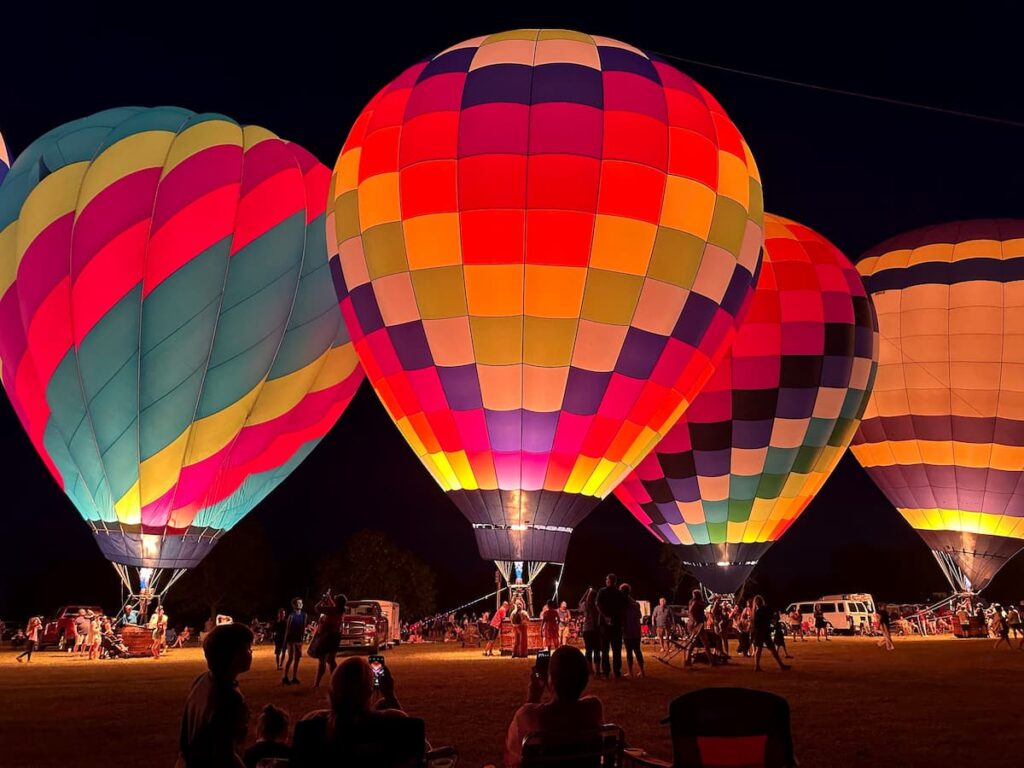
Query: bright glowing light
(723, 564)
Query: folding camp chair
(599, 748)
(714, 727)
(394, 742)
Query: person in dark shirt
(328, 633)
(698, 618)
(216, 720)
(762, 634)
(611, 603)
(883, 626)
(280, 627)
(294, 635)
(271, 737)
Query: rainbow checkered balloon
(168, 332)
(544, 240)
(772, 423)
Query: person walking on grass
(762, 634)
(32, 634)
(1000, 628)
(294, 636)
(884, 622)
(779, 634)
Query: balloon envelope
(169, 335)
(943, 434)
(544, 238)
(5, 159)
(765, 433)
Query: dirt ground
(929, 702)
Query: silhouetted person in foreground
(323, 737)
(553, 704)
(271, 737)
(216, 719)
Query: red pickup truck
(364, 627)
(60, 630)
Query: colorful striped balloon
(768, 429)
(5, 159)
(545, 237)
(943, 434)
(169, 335)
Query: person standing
(82, 624)
(591, 631)
(294, 636)
(761, 634)
(520, 626)
(216, 719)
(661, 620)
(280, 627)
(494, 628)
(796, 624)
(742, 617)
(93, 638)
(328, 633)
(32, 635)
(820, 625)
(612, 605)
(779, 634)
(1013, 622)
(159, 625)
(549, 625)
(698, 618)
(631, 631)
(884, 621)
(564, 623)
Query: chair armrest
(441, 752)
(635, 758)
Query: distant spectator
(662, 620)
(796, 623)
(820, 625)
(82, 624)
(591, 631)
(631, 632)
(698, 618)
(494, 628)
(215, 722)
(762, 634)
(999, 627)
(183, 637)
(271, 737)
(779, 634)
(32, 635)
(1013, 622)
(612, 605)
(549, 624)
(884, 622)
(327, 637)
(564, 623)
(158, 623)
(565, 713)
(294, 636)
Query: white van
(845, 614)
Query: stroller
(111, 647)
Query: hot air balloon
(5, 159)
(544, 238)
(943, 433)
(169, 334)
(765, 433)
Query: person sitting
(216, 720)
(329, 736)
(563, 712)
(271, 737)
(183, 637)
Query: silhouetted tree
(235, 578)
(372, 566)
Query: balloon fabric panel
(767, 430)
(943, 434)
(544, 240)
(169, 335)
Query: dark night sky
(858, 171)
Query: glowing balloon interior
(544, 238)
(169, 335)
(768, 429)
(943, 434)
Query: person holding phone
(554, 702)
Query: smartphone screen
(541, 667)
(377, 665)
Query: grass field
(930, 702)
